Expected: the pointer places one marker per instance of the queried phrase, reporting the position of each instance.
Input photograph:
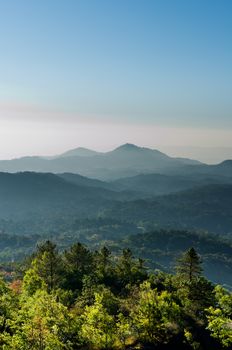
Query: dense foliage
(160, 248)
(82, 299)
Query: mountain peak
(79, 151)
(128, 147)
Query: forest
(93, 299)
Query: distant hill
(208, 207)
(222, 169)
(126, 160)
(161, 248)
(79, 152)
(45, 196)
(24, 195)
(85, 181)
(148, 185)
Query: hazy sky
(97, 73)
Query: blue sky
(84, 64)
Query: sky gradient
(97, 73)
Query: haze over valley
(135, 190)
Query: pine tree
(189, 266)
(195, 292)
(78, 262)
(47, 264)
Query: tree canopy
(83, 299)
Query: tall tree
(42, 324)
(78, 262)
(130, 270)
(156, 316)
(189, 266)
(99, 327)
(195, 292)
(48, 265)
(104, 266)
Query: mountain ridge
(125, 160)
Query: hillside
(154, 184)
(44, 195)
(223, 169)
(85, 181)
(208, 207)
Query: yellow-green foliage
(101, 302)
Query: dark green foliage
(78, 261)
(161, 249)
(129, 270)
(194, 290)
(48, 265)
(189, 266)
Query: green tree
(189, 266)
(220, 317)
(124, 330)
(78, 262)
(98, 328)
(48, 265)
(195, 292)
(42, 324)
(103, 261)
(8, 312)
(156, 316)
(130, 270)
(104, 268)
(32, 282)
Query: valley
(68, 207)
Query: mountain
(85, 181)
(144, 200)
(148, 185)
(126, 160)
(223, 169)
(80, 152)
(26, 195)
(144, 185)
(145, 153)
(188, 161)
(153, 184)
(207, 208)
